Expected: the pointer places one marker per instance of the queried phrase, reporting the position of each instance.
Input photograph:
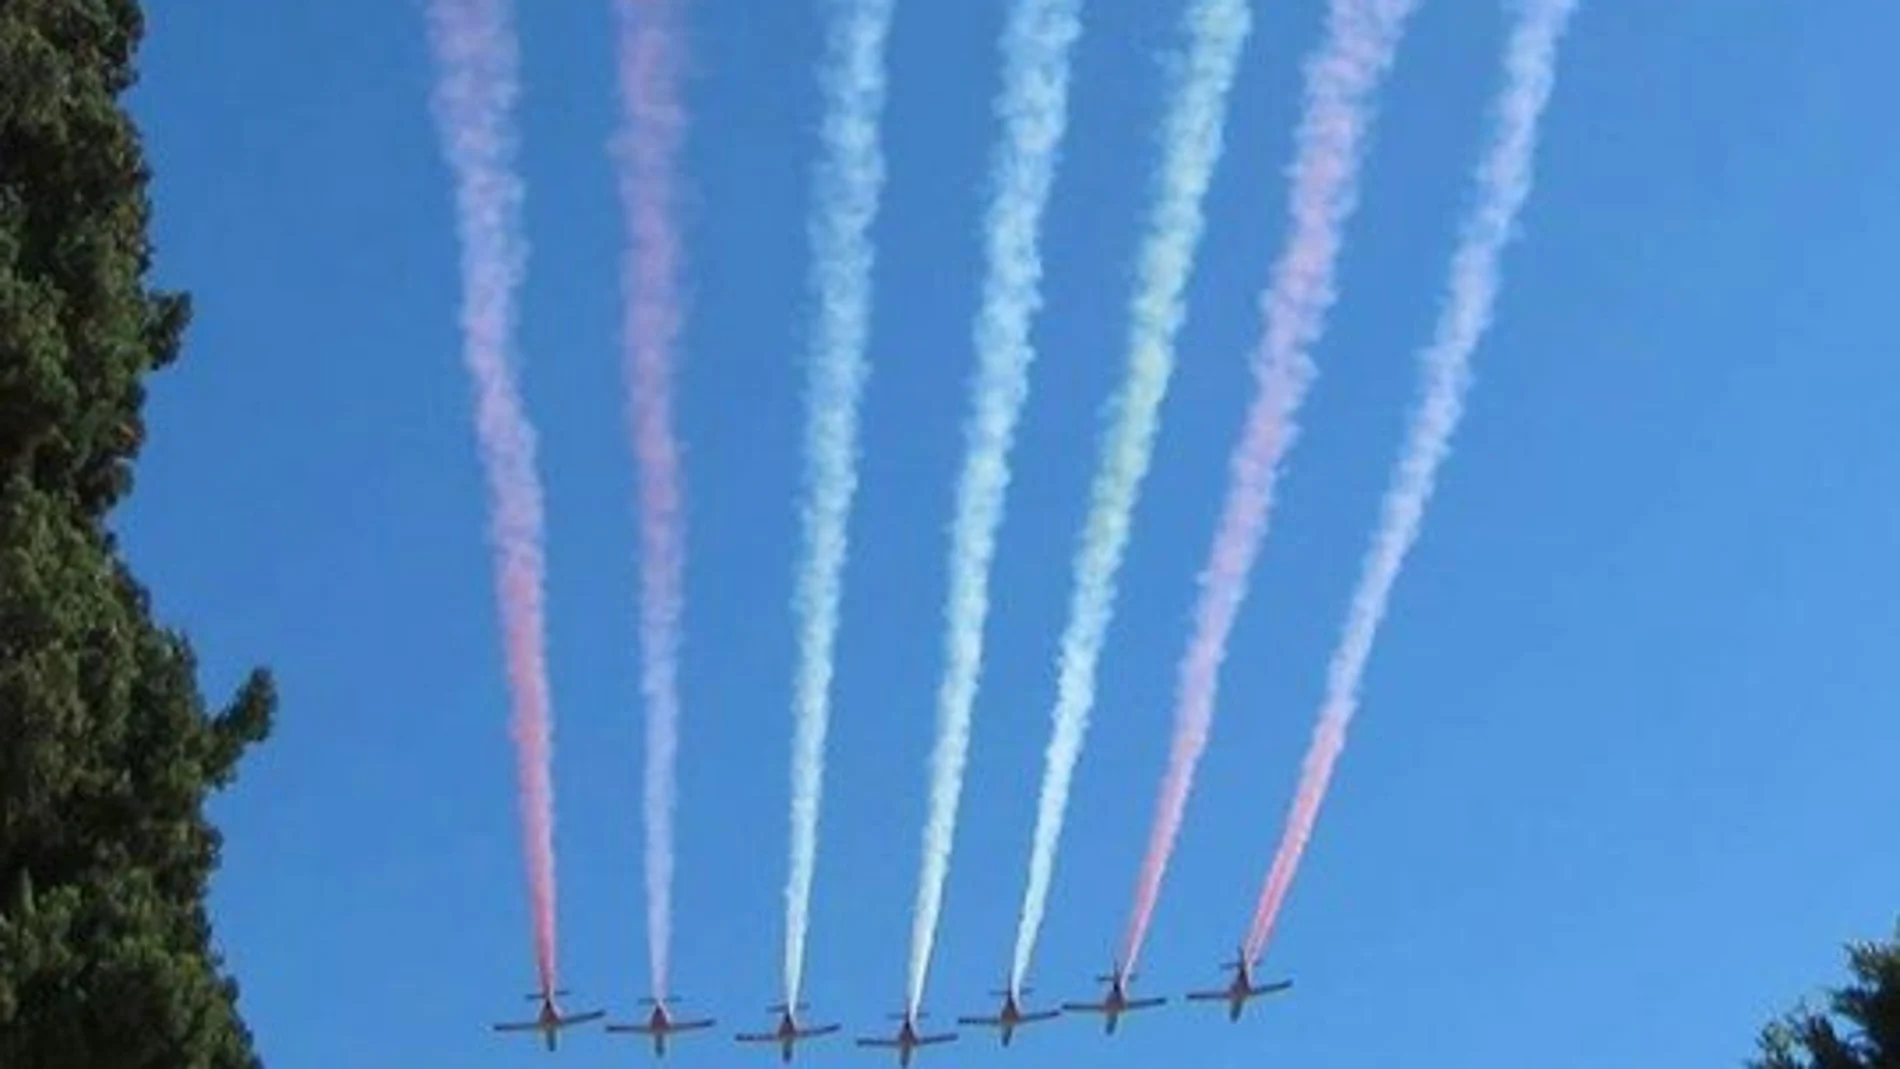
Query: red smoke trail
(649, 153)
(1316, 772)
(1504, 182)
(475, 50)
(1342, 78)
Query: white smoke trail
(849, 180)
(1504, 182)
(648, 151)
(1192, 145)
(1033, 108)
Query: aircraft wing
(1142, 1003)
(757, 1037)
(879, 1043)
(582, 1018)
(821, 1030)
(1209, 996)
(518, 1026)
(640, 1028)
(1269, 989)
(1087, 1007)
(993, 1022)
(691, 1026)
(925, 1041)
(1045, 1015)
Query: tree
(107, 750)
(1860, 1028)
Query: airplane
(550, 1020)
(659, 1025)
(1011, 1016)
(787, 1033)
(1117, 1002)
(1242, 989)
(907, 1039)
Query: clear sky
(1613, 795)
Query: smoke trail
(1504, 181)
(649, 160)
(1342, 78)
(1033, 108)
(849, 179)
(475, 51)
(1191, 146)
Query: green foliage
(1860, 1028)
(107, 750)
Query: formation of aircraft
(550, 1020)
(1117, 1002)
(1011, 1016)
(907, 1039)
(660, 1023)
(1243, 988)
(788, 1031)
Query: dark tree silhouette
(1860, 1027)
(107, 751)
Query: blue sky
(1612, 795)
